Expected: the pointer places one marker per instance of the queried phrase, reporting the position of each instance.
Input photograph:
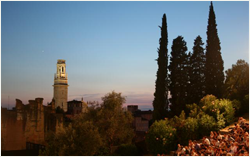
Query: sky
(107, 45)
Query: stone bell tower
(61, 85)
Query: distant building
(141, 118)
(76, 107)
(132, 108)
(61, 85)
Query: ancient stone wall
(28, 123)
(12, 131)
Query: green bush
(212, 106)
(194, 110)
(206, 125)
(185, 128)
(226, 108)
(78, 139)
(161, 137)
(103, 151)
(220, 121)
(179, 123)
(211, 114)
(206, 100)
(245, 104)
(126, 150)
(191, 128)
(237, 106)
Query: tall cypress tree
(188, 73)
(179, 80)
(214, 64)
(160, 102)
(197, 76)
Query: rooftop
(60, 61)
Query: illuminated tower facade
(61, 85)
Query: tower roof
(60, 61)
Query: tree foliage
(237, 82)
(206, 124)
(245, 103)
(190, 128)
(160, 102)
(186, 128)
(197, 76)
(214, 74)
(126, 150)
(161, 137)
(96, 132)
(179, 79)
(78, 139)
(113, 122)
(211, 114)
(224, 107)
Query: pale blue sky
(107, 45)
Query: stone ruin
(28, 123)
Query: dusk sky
(107, 45)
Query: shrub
(220, 120)
(206, 124)
(179, 123)
(206, 100)
(245, 104)
(185, 128)
(191, 129)
(161, 137)
(78, 139)
(212, 106)
(210, 115)
(194, 110)
(126, 150)
(237, 106)
(226, 108)
(103, 151)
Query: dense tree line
(187, 74)
(191, 76)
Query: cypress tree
(160, 102)
(189, 73)
(214, 64)
(197, 78)
(178, 76)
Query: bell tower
(61, 85)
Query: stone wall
(141, 124)
(28, 123)
(12, 131)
